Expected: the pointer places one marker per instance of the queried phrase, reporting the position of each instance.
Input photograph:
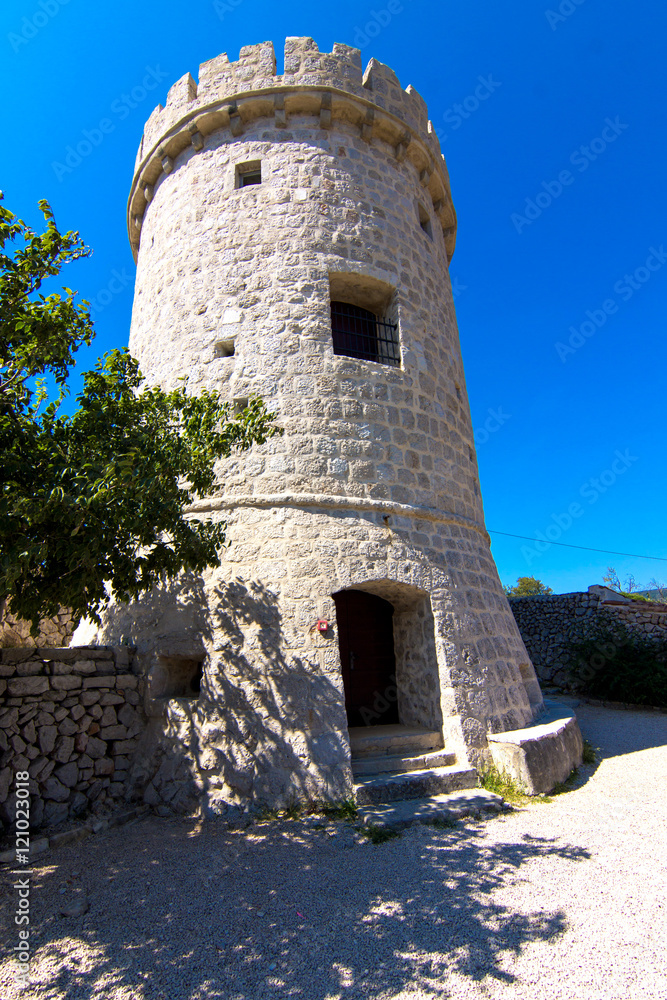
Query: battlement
(328, 85)
(305, 66)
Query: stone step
(398, 741)
(414, 784)
(443, 808)
(422, 762)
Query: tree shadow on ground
(181, 910)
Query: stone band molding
(332, 502)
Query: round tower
(292, 236)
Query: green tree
(95, 499)
(527, 586)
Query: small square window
(239, 403)
(180, 676)
(248, 173)
(224, 349)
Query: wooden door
(366, 642)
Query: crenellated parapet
(328, 86)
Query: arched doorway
(366, 643)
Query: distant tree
(612, 580)
(527, 586)
(94, 499)
(633, 589)
(659, 588)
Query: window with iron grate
(359, 333)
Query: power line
(586, 548)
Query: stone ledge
(475, 802)
(540, 756)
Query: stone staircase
(391, 764)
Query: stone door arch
(414, 694)
(368, 664)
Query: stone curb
(44, 844)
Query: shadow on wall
(306, 915)
(265, 729)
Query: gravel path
(557, 900)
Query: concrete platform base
(540, 756)
(443, 808)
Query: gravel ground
(561, 899)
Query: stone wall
(549, 624)
(53, 632)
(71, 717)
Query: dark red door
(366, 642)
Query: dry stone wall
(53, 632)
(550, 623)
(71, 718)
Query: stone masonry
(72, 718)
(374, 484)
(549, 623)
(56, 631)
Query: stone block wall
(56, 631)
(72, 718)
(549, 624)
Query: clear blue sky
(540, 252)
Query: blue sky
(552, 121)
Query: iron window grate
(358, 333)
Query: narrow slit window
(424, 220)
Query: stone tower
(292, 236)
